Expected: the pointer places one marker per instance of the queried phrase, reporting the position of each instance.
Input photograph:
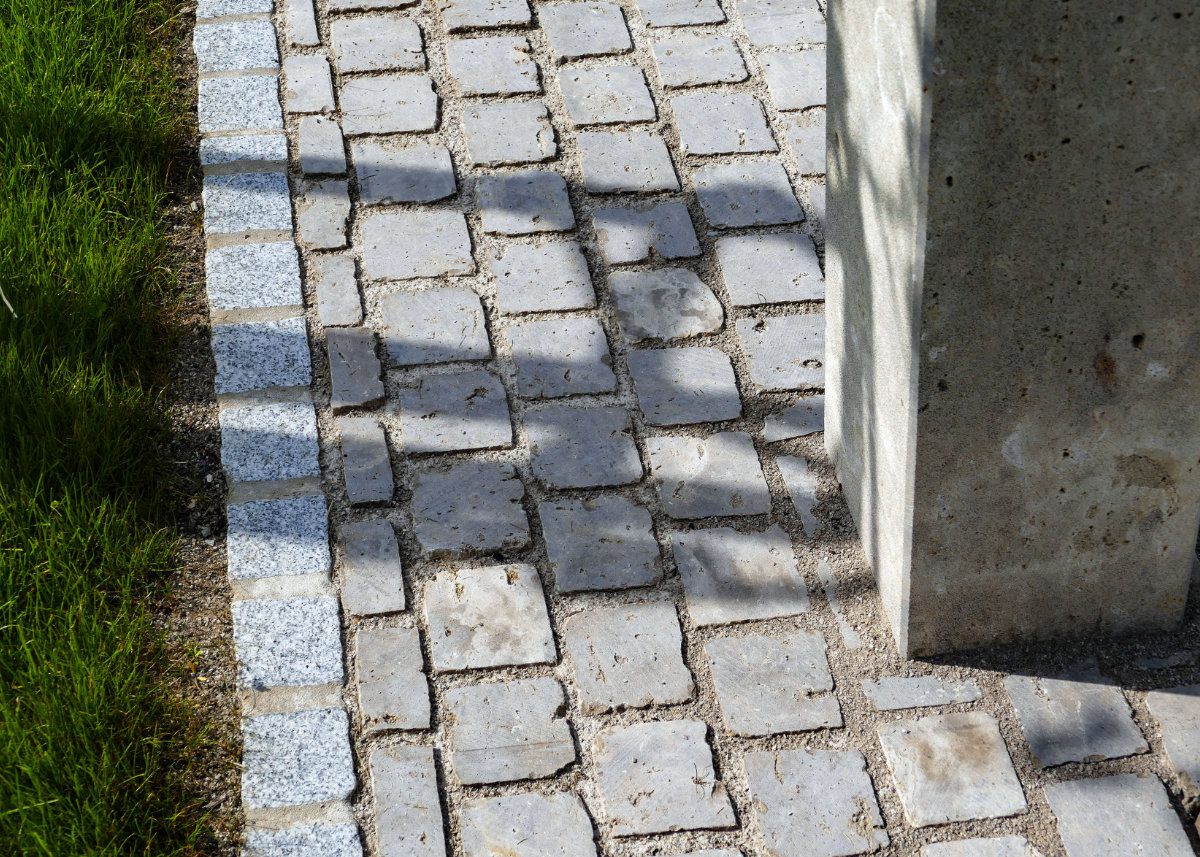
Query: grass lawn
(91, 744)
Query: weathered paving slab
(309, 87)
(525, 202)
(406, 245)
(366, 463)
(785, 352)
(999, 846)
(552, 275)
(678, 13)
(338, 301)
(772, 268)
(372, 577)
(606, 94)
(377, 43)
(434, 326)
(626, 161)
(802, 485)
(388, 104)
(321, 146)
(456, 411)
(746, 193)
(891, 693)
(804, 418)
(686, 60)
(1117, 816)
(508, 133)
(354, 372)
(574, 447)
(560, 357)
(602, 542)
(704, 477)
(782, 23)
(493, 65)
(666, 303)
(483, 14)
(678, 386)
(322, 214)
(721, 123)
(469, 507)
(583, 29)
(392, 689)
(796, 79)
(633, 235)
(389, 172)
(408, 816)
(527, 825)
(1177, 711)
(296, 758)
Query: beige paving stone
(392, 690)
(408, 815)
(527, 825)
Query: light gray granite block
(269, 440)
(221, 8)
(268, 538)
(234, 46)
(260, 355)
(308, 840)
(243, 202)
(244, 148)
(297, 758)
(239, 104)
(250, 276)
(287, 642)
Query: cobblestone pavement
(545, 371)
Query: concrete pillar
(1013, 274)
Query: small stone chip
(1117, 817)
(802, 419)
(786, 352)
(541, 277)
(390, 172)
(408, 814)
(268, 441)
(455, 411)
(525, 202)
(469, 507)
(1177, 711)
(795, 79)
(287, 642)
(721, 123)
(603, 542)
(606, 94)
(353, 369)
(626, 161)
(584, 29)
(322, 149)
(434, 326)
(1000, 846)
(665, 303)
(297, 758)
(767, 269)
(680, 386)
(377, 43)
(408, 245)
(560, 357)
(508, 133)
(747, 193)
(322, 213)
(686, 60)
(269, 538)
(309, 86)
(460, 15)
(260, 355)
(706, 477)
(372, 578)
(573, 447)
(679, 13)
(895, 692)
(365, 461)
(392, 691)
(338, 302)
(527, 825)
(493, 65)
(388, 104)
(309, 840)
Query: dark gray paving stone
(392, 690)
(721, 123)
(706, 477)
(238, 104)
(306, 840)
(308, 84)
(560, 357)
(681, 386)
(508, 133)
(322, 213)
(785, 352)
(772, 268)
(688, 60)
(234, 46)
(525, 202)
(322, 149)
(603, 542)
(805, 135)
(574, 447)
(469, 507)
(1116, 817)
(1177, 711)
(626, 161)
(372, 577)
(243, 202)
(493, 65)
(388, 104)
(802, 486)
(338, 302)
(552, 275)
(999, 846)
(407, 245)
(606, 94)
(891, 693)
(353, 369)
(297, 758)
(366, 465)
(806, 417)
(584, 29)
(389, 171)
(434, 326)
(527, 825)
(456, 411)
(408, 814)
(665, 303)
(460, 15)
(679, 13)
(260, 355)
(747, 193)
(795, 79)
(269, 538)
(250, 276)
(663, 231)
(782, 23)
(377, 43)
(287, 642)
(269, 441)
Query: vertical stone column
(1013, 270)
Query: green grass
(92, 745)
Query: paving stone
(235, 46)
(508, 133)
(253, 148)
(408, 815)
(296, 758)
(890, 693)
(269, 440)
(658, 777)
(392, 690)
(525, 202)
(469, 507)
(805, 135)
(664, 231)
(782, 23)
(785, 352)
(1177, 711)
(573, 447)
(392, 172)
(1000, 846)
(388, 103)
(806, 417)
(721, 123)
(704, 477)
(308, 840)
(366, 5)
(679, 13)
(406, 245)
(372, 577)
(287, 536)
(434, 326)
(951, 767)
(772, 268)
(666, 303)
(353, 369)
(365, 461)
(616, 161)
(249, 276)
(738, 577)
(690, 60)
(716, 852)
(377, 43)
(287, 642)
(769, 685)
(584, 29)
(747, 193)
(460, 15)
(300, 23)
(488, 617)
(527, 825)
(338, 302)
(505, 731)
(492, 65)
(539, 277)
(603, 542)
(680, 386)
(321, 146)
(1075, 716)
(246, 201)
(795, 79)
(606, 94)
(560, 357)
(221, 8)
(1116, 817)
(239, 103)
(802, 487)
(322, 214)
(456, 411)
(814, 803)
(307, 84)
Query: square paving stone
(322, 213)
(1117, 817)
(604, 542)
(249, 276)
(338, 302)
(806, 417)
(268, 441)
(488, 617)
(460, 15)
(891, 693)
(392, 690)
(679, 13)
(407, 245)
(322, 148)
(721, 123)
(525, 202)
(221, 8)
(769, 685)
(287, 642)
(1000, 846)
(616, 161)
(366, 465)
(309, 84)
(802, 487)
(664, 231)
(782, 23)
(606, 94)
(951, 767)
(584, 29)
(795, 79)
(372, 577)
(434, 326)
(388, 104)
(573, 447)
(492, 65)
(814, 803)
(805, 135)
(377, 43)
(506, 731)
(1177, 711)
(238, 104)
(738, 577)
(658, 777)
(243, 202)
(353, 369)
(687, 60)
(456, 411)
(391, 172)
(666, 303)
(259, 355)
(297, 758)
(680, 386)
(408, 814)
(469, 507)
(706, 477)
(308, 840)
(508, 133)
(235, 46)
(1076, 716)
(785, 352)
(560, 357)
(767, 269)
(527, 825)
(540, 277)
(630, 656)
(269, 538)
(259, 149)
(747, 193)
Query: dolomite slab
(377, 43)
(333, 278)
(584, 29)
(388, 104)
(389, 172)
(1177, 711)
(891, 693)
(1000, 846)
(372, 577)
(353, 369)
(525, 202)
(469, 507)
(795, 79)
(746, 193)
(460, 15)
(633, 235)
(802, 486)
(527, 825)
(785, 352)
(434, 326)
(366, 464)
(407, 245)
(679, 386)
(322, 148)
(625, 161)
(308, 85)
(392, 690)
(1117, 816)
(686, 60)
(705, 477)
(805, 135)
(806, 417)
(606, 94)
(666, 303)
(768, 269)
(322, 214)
(574, 447)
(782, 23)
(560, 357)
(603, 542)
(455, 411)
(508, 133)
(408, 815)
(552, 275)
(721, 123)
(679, 13)
(493, 65)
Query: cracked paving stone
(560, 357)
(338, 303)
(372, 577)
(584, 29)
(663, 231)
(297, 758)
(782, 23)
(795, 79)
(721, 123)
(250, 276)
(681, 386)
(815, 803)
(1177, 711)
(269, 538)
(388, 104)
(309, 840)
(891, 693)
(785, 352)
(287, 642)
(268, 441)
(506, 731)
(666, 303)
(322, 213)
(309, 85)
(658, 777)
(408, 814)
(353, 369)
(701, 477)
(525, 202)
(455, 411)
(1000, 846)
(469, 507)
(604, 542)
(951, 767)
(527, 825)
(392, 690)
(408, 245)
(365, 461)
(805, 136)
(629, 656)
(488, 617)
(680, 13)
(389, 172)
(508, 133)
(260, 355)
(730, 576)
(746, 193)
(377, 43)
(625, 161)
(434, 326)
(1116, 817)
(686, 60)
(606, 94)
(322, 149)
(574, 447)
(539, 277)
(493, 65)
(244, 202)
(806, 417)
(460, 15)
(802, 486)
(770, 685)
(768, 269)
(235, 46)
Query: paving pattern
(519, 307)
